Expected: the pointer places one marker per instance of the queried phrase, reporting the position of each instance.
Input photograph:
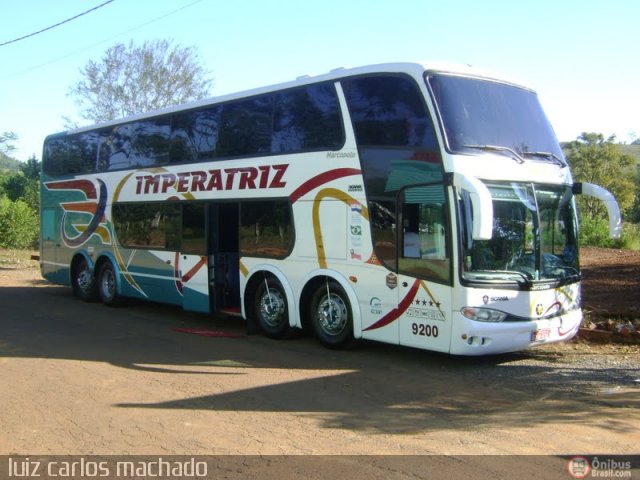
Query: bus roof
(415, 69)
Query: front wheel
(331, 316)
(107, 286)
(271, 308)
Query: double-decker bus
(422, 205)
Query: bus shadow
(374, 388)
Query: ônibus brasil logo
(94, 204)
(579, 467)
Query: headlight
(483, 314)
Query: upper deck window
(388, 111)
(138, 144)
(71, 155)
(394, 131)
(296, 120)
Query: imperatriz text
(240, 178)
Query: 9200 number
(424, 330)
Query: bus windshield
(534, 236)
(479, 114)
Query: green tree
(15, 185)
(18, 187)
(135, 79)
(31, 168)
(18, 224)
(595, 159)
(24, 184)
(31, 187)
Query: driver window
(424, 240)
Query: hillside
(633, 150)
(8, 164)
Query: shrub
(594, 232)
(18, 224)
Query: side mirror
(481, 202)
(613, 210)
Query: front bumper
(470, 337)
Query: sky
(581, 56)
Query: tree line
(19, 198)
(596, 159)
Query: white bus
(411, 204)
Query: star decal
(424, 303)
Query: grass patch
(630, 239)
(12, 258)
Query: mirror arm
(613, 209)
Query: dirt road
(80, 378)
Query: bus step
(233, 311)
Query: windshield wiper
(510, 273)
(550, 155)
(572, 270)
(497, 148)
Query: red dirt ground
(611, 282)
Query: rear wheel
(83, 282)
(331, 316)
(107, 286)
(271, 308)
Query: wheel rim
(271, 307)
(84, 278)
(108, 284)
(332, 314)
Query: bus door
(424, 264)
(224, 257)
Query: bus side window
(194, 135)
(194, 240)
(266, 228)
(134, 145)
(306, 119)
(246, 127)
(115, 149)
(149, 142)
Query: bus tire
(271, 309)
(331, 316)
(107, 285)
(83, 282)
